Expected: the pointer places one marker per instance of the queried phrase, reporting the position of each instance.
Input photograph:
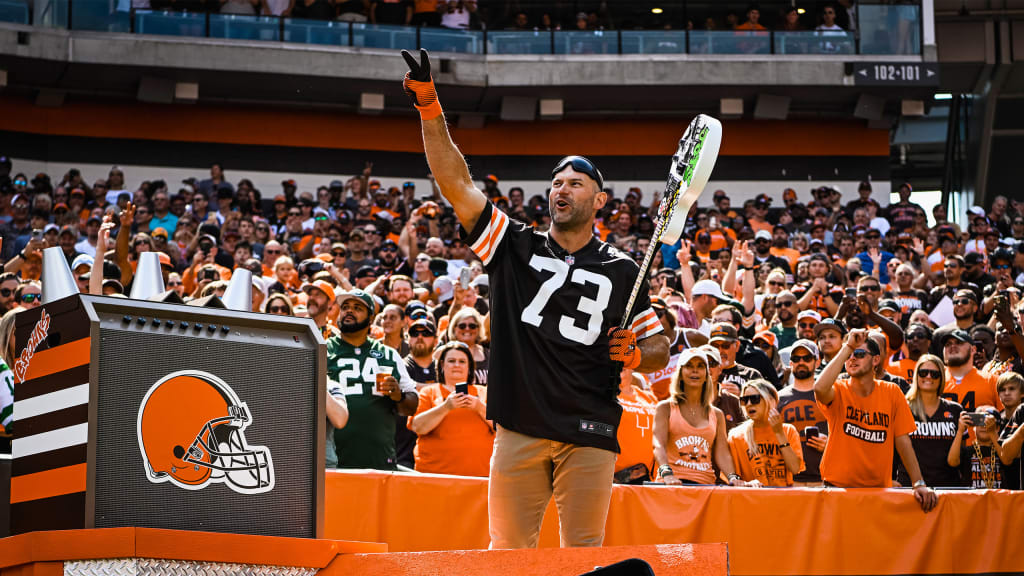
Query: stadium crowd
(813, 341)
(536, 16)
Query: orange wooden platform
(668, 559)
(45, 554)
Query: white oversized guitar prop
(689, 173)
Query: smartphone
(465, 275)
(811, 432)
(713, 223)
(977, 418)
(37, 234)
(851, 292)
(462, 388)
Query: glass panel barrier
(889, 29)
(730, 42)
(384, 36)
(653, 42)
(101, 15)
(167, 23)
(586, 42)
(820, 42)
(15, 11)
(519, 42)
(316, 32)
(245, 27)
(445, 40)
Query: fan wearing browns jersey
(557, 300)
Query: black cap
(829, 324)
(974, 258)
(888, 304)
(959, 334)
(366, 272)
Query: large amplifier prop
(149, 414)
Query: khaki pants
(526, 471)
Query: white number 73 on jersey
(593, 308)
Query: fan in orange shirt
(965, 384)
(765, 449)
(780, 246)
(636, 430)
(867, 419)
(455, 436)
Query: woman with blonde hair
(689, 433)
(7, 379)
(467, 326)
(936, 419)
(765, 449)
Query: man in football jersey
(556, 351)
(798, 407)
(353, 361)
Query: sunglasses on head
(927, 373)
(580, 164)
(752, 399)
(30, 298)
(277, 309)
(808, 358)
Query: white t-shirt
(458, 17)
(277, 7)
(113, 194)
(880, 224)
(83, 247)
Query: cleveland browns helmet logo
(191, 433)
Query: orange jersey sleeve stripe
(484, 246)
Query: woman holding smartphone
(936, 419)
(455, 436)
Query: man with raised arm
(866, 419)
(557, 299)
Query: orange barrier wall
(688, 559)
(319, 129)
(769, 531)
